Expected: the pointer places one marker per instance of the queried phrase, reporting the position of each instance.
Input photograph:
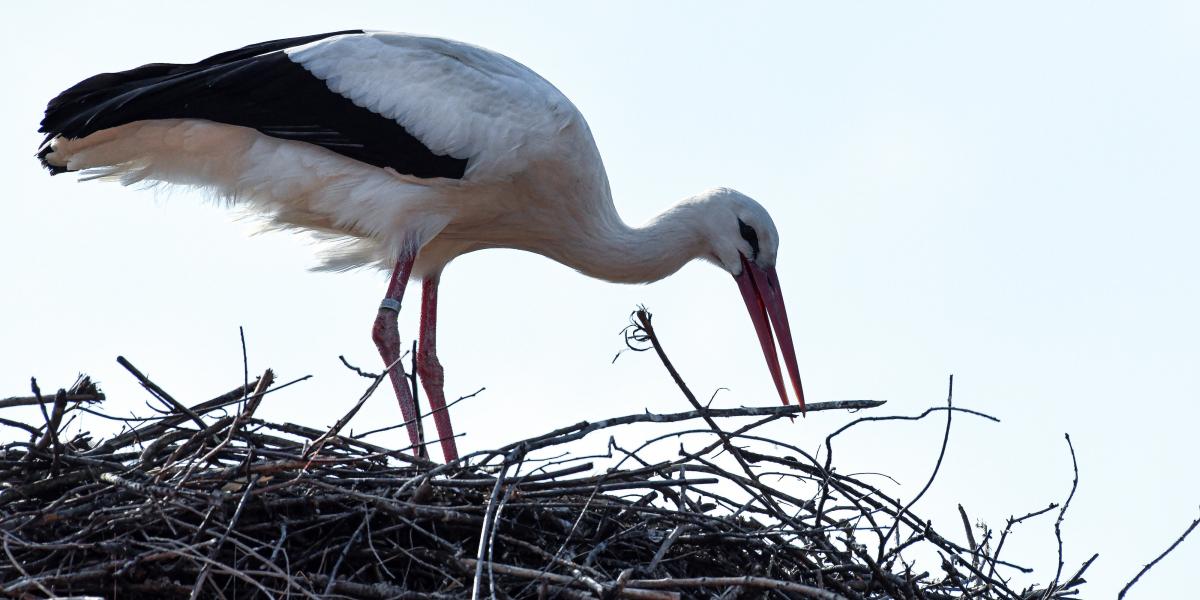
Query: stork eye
(750, 236)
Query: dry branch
(1151, 564)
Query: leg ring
(391, 304)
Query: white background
(1007, 193)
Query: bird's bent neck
(617, 252)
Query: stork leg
(429, 369)
(386, 334)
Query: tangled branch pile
(211, 501)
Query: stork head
(743, 241)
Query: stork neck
(624, 254)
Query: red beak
(764, 300)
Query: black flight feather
(257, 86)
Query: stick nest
(211, 501)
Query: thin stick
(485, 534)
(763, 583)
(161, 393)
(936, 467)
(627, 592)
(1150, 564)
(33, 400)
(1062, 513)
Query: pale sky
(1004, 192)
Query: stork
(410, 151)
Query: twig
(962, 512)
(489, 521)
(763, 583)
(34, 400)
(582, 429)
(1150, 564)
(1061, 515)
(627, 592)
(936, 467)
(360, 372)
(337, 426)
(53, 420)
(346, 550)
(995, 558)
(245, 359)
(160, 393)
(216, 547)
(666, 545)
(364, 434)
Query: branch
(1178, 541)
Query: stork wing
(458, 99)
(422, 106)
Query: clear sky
(1007, 192)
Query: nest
(211, 501)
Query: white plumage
(456, 98)
(385, 173)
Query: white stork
(410, 150)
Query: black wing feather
(257, 86)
